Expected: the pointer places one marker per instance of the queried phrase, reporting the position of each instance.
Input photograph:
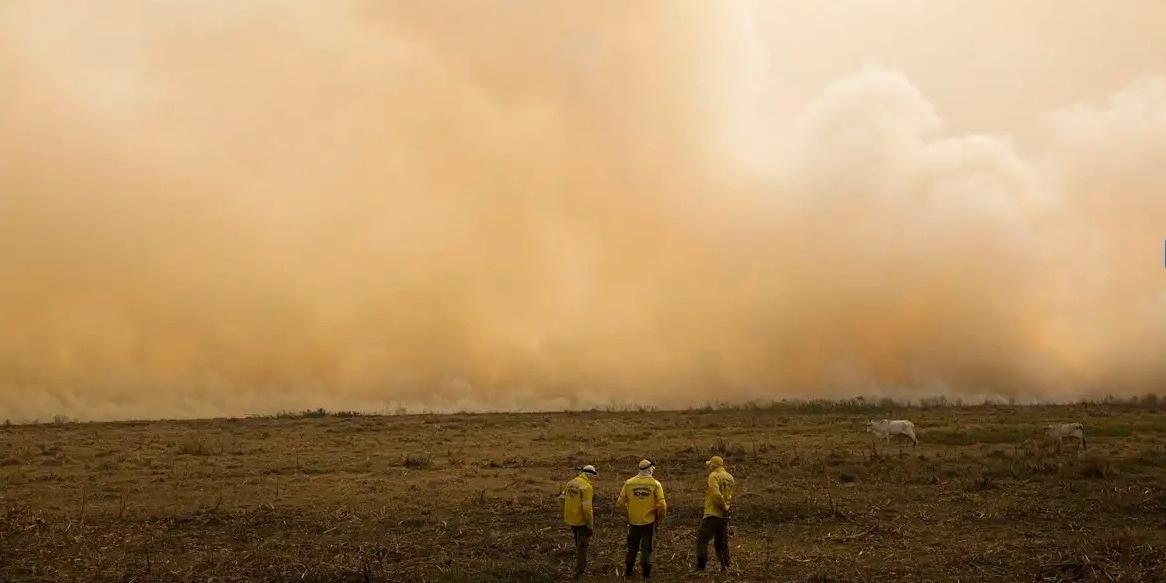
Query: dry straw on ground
(319, 497)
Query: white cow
(1057, 433)
(884, 429)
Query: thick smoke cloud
(221, 208)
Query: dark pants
(716, 529)
(639, 539)
(582, 539)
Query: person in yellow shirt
(718, 507)
(579, 514)
(642, 498)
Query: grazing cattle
(1058, 432)
(885, 429)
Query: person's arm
(661, 505)
(728, 490)
(714, 493)
(588, 509)
(622, 501)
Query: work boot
(701, 562)
(647, 571)
(628, 571)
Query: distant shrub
(417, 461)
(724, 447)
(1108, 431)
(1147, 459)
(192, 446)
(455, 458)
(856, 405)
(861, 405)
(1094, 467)
(61, 419)
(1150, 401)
(979, 434)
(106, 466)
(940, 402)
(317, 413)
(981, 483)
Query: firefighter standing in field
(718, 507)
(579, 514)
(642, 497)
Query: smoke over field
(220, 208)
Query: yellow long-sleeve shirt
(577, 496)
(643, 499)
(718, 499)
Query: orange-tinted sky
(223, 207)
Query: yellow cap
(715, 462)
(645, 464)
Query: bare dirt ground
(474, 497)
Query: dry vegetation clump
(194, 445)
(336, 497)
(417, 461)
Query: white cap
(589, 469)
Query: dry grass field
(474, 497)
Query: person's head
(715, 462)
(646, 466)
(589, 471)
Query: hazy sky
(223, 207)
